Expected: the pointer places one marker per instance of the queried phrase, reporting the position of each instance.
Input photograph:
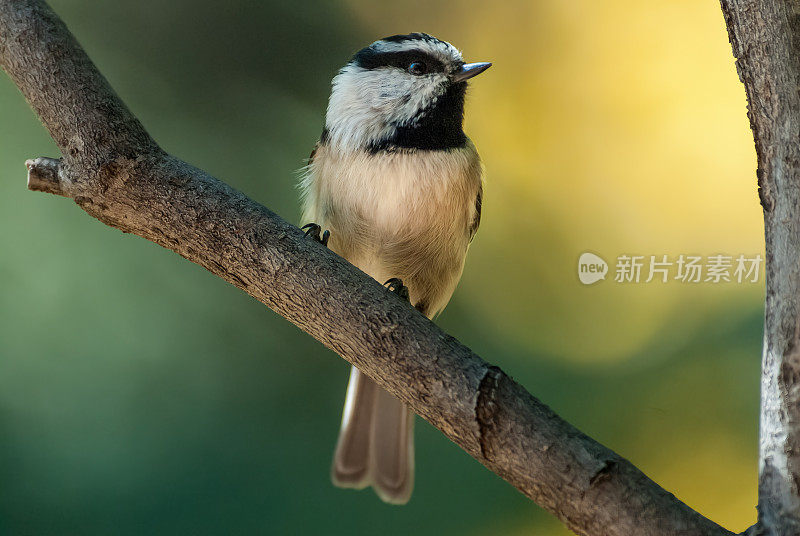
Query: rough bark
(765, 36)
(114, 171)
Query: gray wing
(476, 220)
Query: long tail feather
(376, 442)
(392, 449)
(351, 468)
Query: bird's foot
(313, 231)
(396, 286)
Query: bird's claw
(396, 286)
(313, 231)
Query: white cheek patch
(367, 105)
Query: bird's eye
(417, 68)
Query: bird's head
(403, 91)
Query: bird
(397, 186)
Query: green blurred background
(139, 394)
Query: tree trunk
(765, 36)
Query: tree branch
(43, 176)
(115, 172)
(765, 36)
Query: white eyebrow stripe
(440, 49)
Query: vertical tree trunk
(765, 35)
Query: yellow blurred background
(613, 127)
(617, 127)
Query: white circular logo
(591, 268)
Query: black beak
(468, 70)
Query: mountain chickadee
(398, 187)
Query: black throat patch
(440, 126)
